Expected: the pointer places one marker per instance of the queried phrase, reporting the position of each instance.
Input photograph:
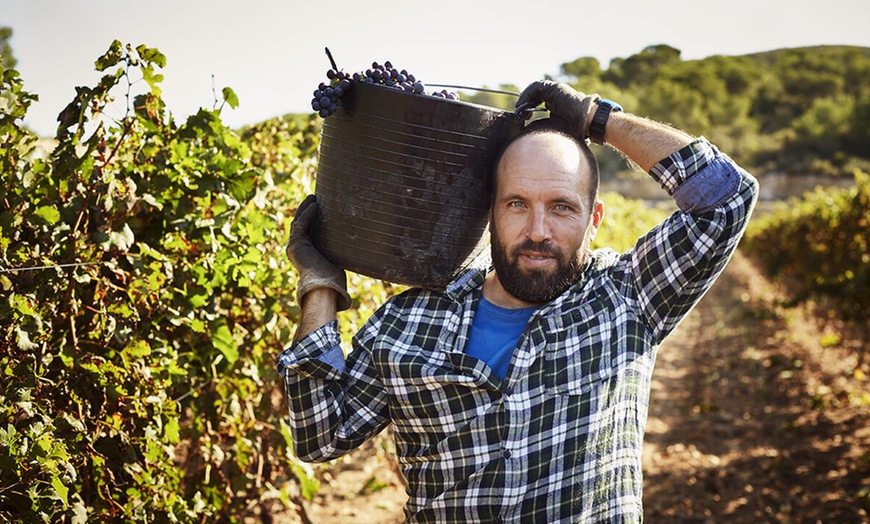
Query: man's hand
(564, 103)
(315, 271)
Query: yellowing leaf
(49, 214)
(230, 97)
(171, 430)
(60, 490)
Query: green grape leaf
(222, 339)
(151, 54)
(111, 58)
(60, 490)
(243, 185)
(230, 97)
(49, 214)
(171, 430)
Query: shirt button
(509, 391)
(506, 454)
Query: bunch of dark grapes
(326, 96)
(389, 76)
(449, 95)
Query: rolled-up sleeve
(676, 263)
(699, 177)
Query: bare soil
(756, 415)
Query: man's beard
(534, 286)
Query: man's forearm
(318, 308)
(645, 142)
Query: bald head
(548, 153)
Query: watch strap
(600, 118)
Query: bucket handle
(487, 90)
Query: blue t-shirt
(494, 334)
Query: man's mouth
(537, 260)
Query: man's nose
(538, 229)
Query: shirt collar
(470, 277)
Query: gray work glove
(568, 107)
(315, 271)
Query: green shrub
(819, 247)
(625, 220)
(146, 295)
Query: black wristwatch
(599, 120)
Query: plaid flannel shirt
(560, 438)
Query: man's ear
(595, 221)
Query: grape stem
(331, 60)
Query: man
(520, 393)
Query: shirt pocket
(578, 352)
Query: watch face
(613, 105)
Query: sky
(271, 52)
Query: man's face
(541, 220)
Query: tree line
(798, 110)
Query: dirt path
(751, 420)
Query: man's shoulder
(606, 269)
(604, 259)
(415, 299)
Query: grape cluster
(449, 95)
(326, 96)
(389, 76)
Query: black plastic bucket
(402, 183)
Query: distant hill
(770, 57)
(795, 111)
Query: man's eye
(515, 204)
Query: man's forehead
(544, 147)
